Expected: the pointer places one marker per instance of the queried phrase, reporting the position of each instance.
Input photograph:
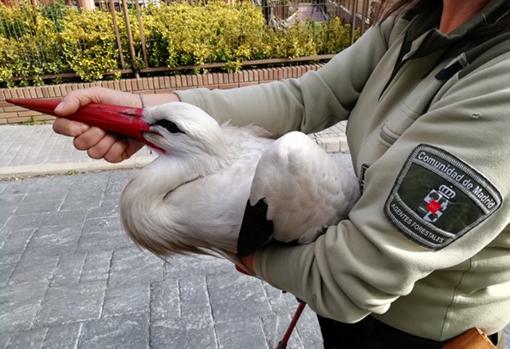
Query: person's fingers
(69, 127)
(75, 99)
(102, 147)
(122, 149)
(247, 263)
(117, 151)
(243, 270)
(89, 138)
(132, 147)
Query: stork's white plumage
(305, 188)
(193, 197)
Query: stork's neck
(168, 172)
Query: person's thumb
(77, 99)
(67, 106)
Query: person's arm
(310, 103)
(432, 201)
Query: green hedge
(36, 41)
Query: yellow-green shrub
(88, 43)
(334, 36)
(56, 39)
(182, 34)
(29, 45)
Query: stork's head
(182, 129)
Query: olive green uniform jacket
(426, 249)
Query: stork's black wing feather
(256, 230)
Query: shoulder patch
(437, 198)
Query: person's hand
(97, 142)
(247, 265)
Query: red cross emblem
(433, 206)
(435, 203)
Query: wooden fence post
(85, 4)
(142, 32)
(364, 15)
(354, 9)
(111, 7)
(130, 39)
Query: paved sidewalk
(70, 278)
(36, 150)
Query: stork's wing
(305, 188)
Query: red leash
(301, 306)
(285, 340)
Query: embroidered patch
(437, 198)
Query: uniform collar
(423, 36)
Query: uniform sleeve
(313, 102)
(433, 200)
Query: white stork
(193, 197)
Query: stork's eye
(169, 125)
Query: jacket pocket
(396, 124)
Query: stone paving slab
(69, 278)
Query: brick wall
(10, 114)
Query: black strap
(468, 61)
(370, 333)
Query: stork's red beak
(126, 121)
